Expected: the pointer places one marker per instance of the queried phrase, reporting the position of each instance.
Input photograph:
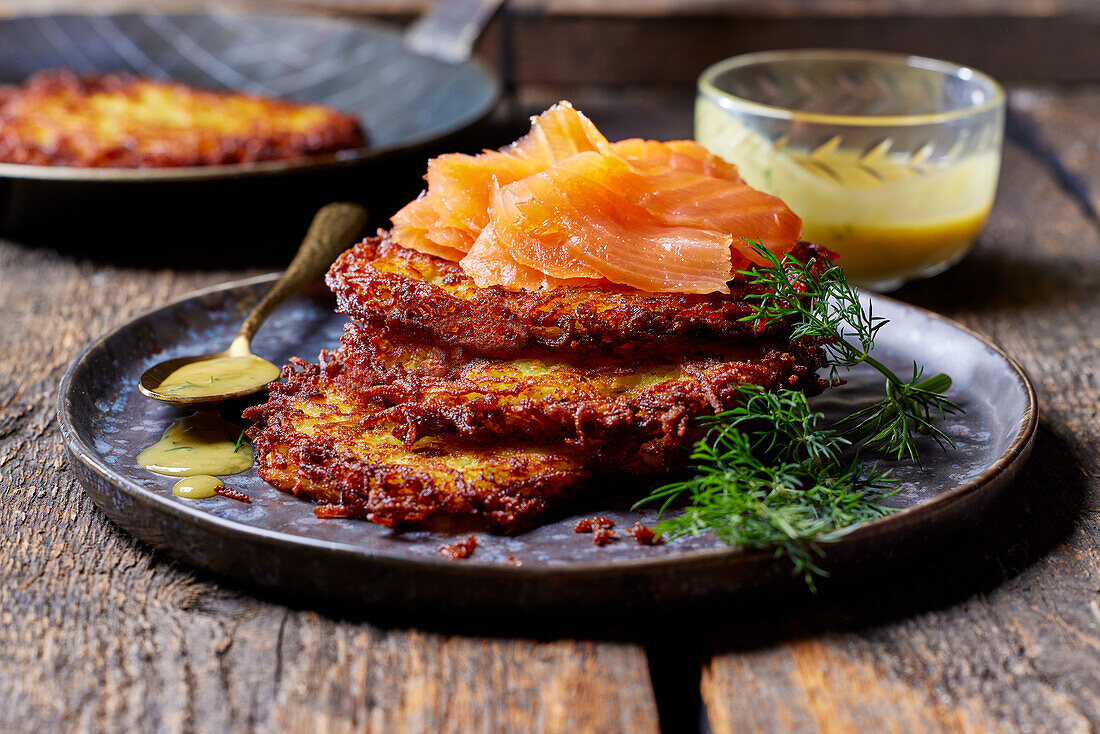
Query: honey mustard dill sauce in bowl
(890, 160)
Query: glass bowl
(890, 160)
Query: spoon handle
(334, 228)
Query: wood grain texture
(628, 50)
(630, 42)
(1059, 127)
(787, 8)
(98, 633)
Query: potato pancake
(604, 402)
(380, 282)
(312, 440)
(119, 121)
(449, 405)
(404, 433)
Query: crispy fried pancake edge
(603, 404)
(379, 282)
(340, 466)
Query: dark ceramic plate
(276, 541)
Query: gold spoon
(334, 228)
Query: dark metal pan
(407, 101)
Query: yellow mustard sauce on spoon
(236, 372)
(203, 444)
(219, 376)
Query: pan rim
(261, 169)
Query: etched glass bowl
(890, 160)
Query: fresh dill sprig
(240, 440)
(824, 308)
(769, 475)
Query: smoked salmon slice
(449, 216)
(574, 220)
(682, 198)
(681, 155)
(563, 206)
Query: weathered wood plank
(1000, 632)
(98, 633)
(1059, 126)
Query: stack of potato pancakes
(544, 320)
(447, 403)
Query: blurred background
(603, 54)
(552, 47)
(631, 65)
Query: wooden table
(999, 630)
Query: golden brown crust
(402, 433)
(606, 404)
(119, 121)
(380, 282)
(309, 441)
(448, 404)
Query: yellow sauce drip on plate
(219, 376)
(198, 487)
(201, 443)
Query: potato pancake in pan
(116, 120)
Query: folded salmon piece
(447, 217)
(563, 205)
(679, 155)
(584, 218)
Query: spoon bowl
(151, 380)
(333, 230)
